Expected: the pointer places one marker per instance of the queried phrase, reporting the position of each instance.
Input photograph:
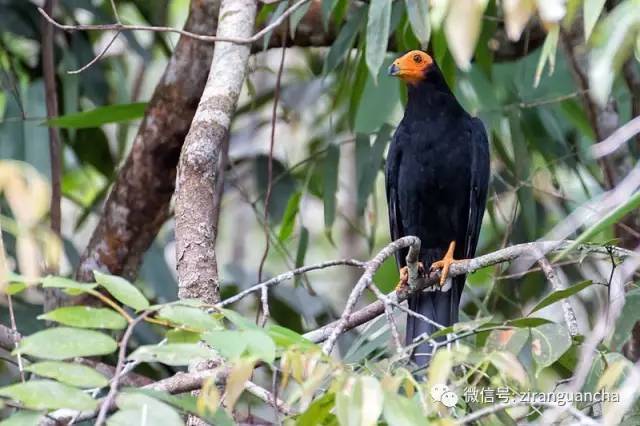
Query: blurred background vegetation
(548, 79)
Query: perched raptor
(437, 173)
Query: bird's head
(411, 67)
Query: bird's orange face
(411, 67)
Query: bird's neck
(431, 96)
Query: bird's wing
(478, 186)
(391, 184)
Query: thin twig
(288, 276)
(366, 279)
(122, 354)
(181, 382)
(617, 139)
(269, 398)
(556, 284)
(264, 296)
(14, 329)
(202, 37)
(115, 12)
(388, 311)
(492, 409)
(51, 100)
(98, 57)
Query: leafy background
(337, 110)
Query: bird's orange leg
(445, 263)
(404, 276)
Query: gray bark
(197, 169)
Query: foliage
(337, 111)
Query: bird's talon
(404, 276)
(444, 263)
(404, 279)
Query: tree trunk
(138, 204)
(197, 170)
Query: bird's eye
(417, 59)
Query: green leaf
(49, 395)
(296, 17)
(71, 374)
(99, 116)
(330, 176)
(193, 318)
(592, 10)
(70, 286)
(86, 317)
(627, 319)
(360, 403)
(140, 409)
(509, 366)
(371, 165)
(64, 342)
(418, 13)
(23, 418)
(283, 337)
(318, 411)
(378, 23)
(548, 343)
(182, 336)
(173, 353)
(604, 223)
(462, 27)
(301, 253)
(232, 344)
(512, 340)
(122, 290)
(613, 41)
(289, 217)
(15, 288)
(238, 320)
(401, 411)
(188, 403)
(526, 322)
(327, 10)
(548, 54)
(558, 295)
(344, 41)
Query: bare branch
(508, 254)
(388, 312)
(14, 329)
(616, 139)
(495, 408)
(181, 383)
(122, 354)
(366, 279)
(264, 292)
(202, 37)
(569, 313)
(288, 276)
(98, 56)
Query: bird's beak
(394, 70)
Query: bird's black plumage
(437, 173)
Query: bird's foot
(445, 263)
(404, 276)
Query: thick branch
(196, 182)
(139, 201)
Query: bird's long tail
(440, 307)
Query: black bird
(437, 174)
